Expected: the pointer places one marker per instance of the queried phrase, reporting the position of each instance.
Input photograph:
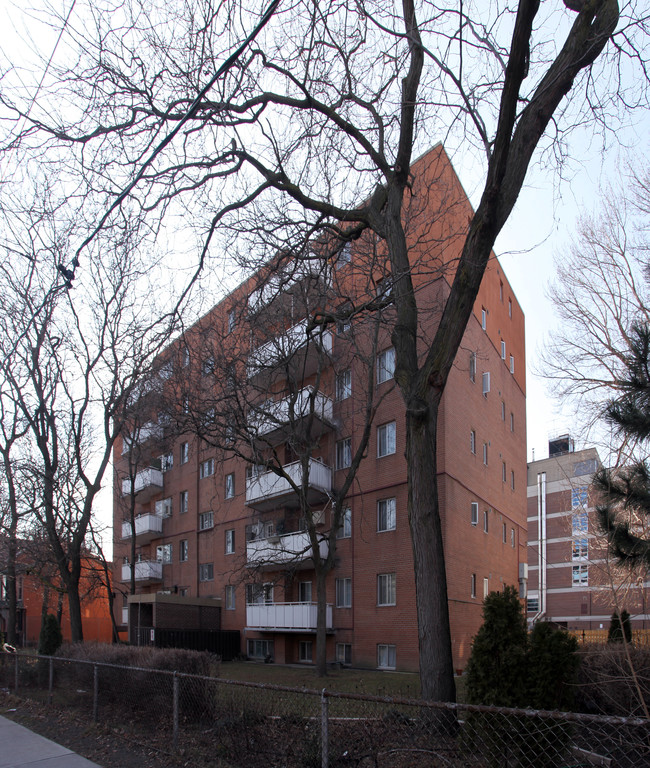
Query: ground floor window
(260, 649)
(386, 656)
(344, 653)
(305, 651)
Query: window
(512, 479)
(500, 290)
(472, 366)
(206, 520)
(473, 586)
(503, 411)
(229, 491)
(579, 523)
(512, 364)
(164, 553)
(486, 520)
(386, 518)
(485, 454)
(259, 594)
(385, 365)
(386, 439)
(386, 589)
(164, 507)
(344, 453)
(185, 357)
(185, 453)
(486, 383)
(305, 650)
(504, 474)
(509, 307)
(344, 324)
(580, 575)
(230, 597)
(345, 255)
(183, 502)
(230, 541)
(512, 422)
(472, 441)
(232, 320)
(167, 461)
(207, 468)
(474, 513)
(386, 656)
(579, 497)
(512, 537)
(344, 653)
(206, 572)
(166, 371)
(259, 649)
(484, 318)
(532, 604)
(345, 529)
(580, 549)
(503, 350)
(486, 588)
(505, 533)
(344, 385)
(186, 404)
(344, 593)
(304, 592)
(183, 551)
(207, 369)
(385, 287)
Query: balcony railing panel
(147, 482)
(270, 356)
(148, 431)
(280, 282)
(275, 415)
(267, 489)
(287, 617)
(291, 549)
(145, 571)
(147, 527)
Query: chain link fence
(255, 725)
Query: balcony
(147, 483)
(291, 347)
(285, 617)
(147, 527)
(283, 281)
(272, 418)
(291, 549)
(148, 431)
(267, 490)
(146, 572)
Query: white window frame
(231, 597)
(504, 472)
(512, 421)
(472, 441)
(503, 350)
(386, 514)
(473, 513)
(486, 383)
(230, 541)
(580, 548)
(512, 479)
(485, 454)
(512, 364)
(484, 318)
(386, 439)
(183, 551)
(166, 461)
(386, 656)
(305, 592)
(344, 653)
(386, 589)
(206, 572)
(512, 538)
(184, 453)
(164, 553)
(345, 529)
(206, 469)
(486, 521)
(486, 587)
(344, 385)
(385, 365)
(505, 533)
(343, 588)
(229, 489)
(472, 586)
(472, 366)
(206, 520)
(183, 502)
(580, 575)
(306, 651)
(344, 453)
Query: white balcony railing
(267, 489)
(145, 571)
(147, 527)
(284, 280)
(292, 617)
(284, 346)
(147, 431)
(275, 414)
(147, 482)
(289, 549)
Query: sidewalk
(21, 748)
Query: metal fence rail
(254, 724)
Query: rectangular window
(486, 588)
(500, 290)
(580, 575)
(486, 383)
(503, 411)
(344, 653)
(230, 541)
(579, 523)
(503, 350)
(472, 366)
(230, 597)
(183, 551)
(259, 649)
(344, 593)
(512, 479)
(484, 319)
(386, 656)
(512, 537)
(579, 497)
(385, 365)
(259, 594)
(164, 553)
(206, 520)
(512, 422)
(305, 650)
(185, 453)
(207, 468)
(386, 589)
(232, 320)
(386, 517)
(386, 439)
(472, 441)
(474, 513)
(344, 453)
(472, 586)
(163, 507)
(345, 529)
(207, 369)
(486, 520)
(344, 385)
(345, 255)
(532, 604)
(167, 461)
(503, 472)
(505, 533)
(183, 502)
(485, 454)
(185, 357)
(229, 491)
(304, 592)
(512, 364)
(509, 307)
(580, 549)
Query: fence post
(175, 714)
(51, 680)
(16, 673)
(95, 691)
(324, 730)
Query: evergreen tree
(50, 639)
(619, 627)
(626, 490)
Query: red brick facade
(481, 461)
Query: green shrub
(50, 638)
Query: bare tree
(324, 114)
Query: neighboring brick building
(209, 525)
(572, 582)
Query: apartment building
(571, 580)
(231, 475)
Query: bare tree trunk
(12, 596)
